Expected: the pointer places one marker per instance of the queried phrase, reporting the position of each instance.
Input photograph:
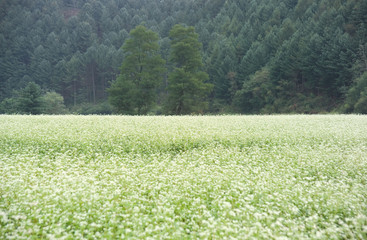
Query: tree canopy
(134, 91)
(265, 56)
(187, 90)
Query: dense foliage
(187, 90)
(183, 177)
(261, 56)
(142, 71)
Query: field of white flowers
(190, 177)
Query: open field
(199, 177)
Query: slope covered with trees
(265, 56)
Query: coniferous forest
(183, 56)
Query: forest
(249, 57)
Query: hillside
(265, 56)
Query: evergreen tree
(187, 90)
(134, 91)
(255, 93)
(221, 68)
(30, 99)
(311, 48)
(356, 100)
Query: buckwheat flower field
(188, 177)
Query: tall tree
(134, 91)
(187, 90)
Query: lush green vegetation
(187, 90)
(134, 91)
(219, 177)
(264, 56)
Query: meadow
(183, 177)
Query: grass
(190, 177)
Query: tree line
(266, 56)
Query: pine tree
(134, 91)
(30, 99)
(187, 90)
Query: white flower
(227, 205)
(136, 209)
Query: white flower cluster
(189, 177)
